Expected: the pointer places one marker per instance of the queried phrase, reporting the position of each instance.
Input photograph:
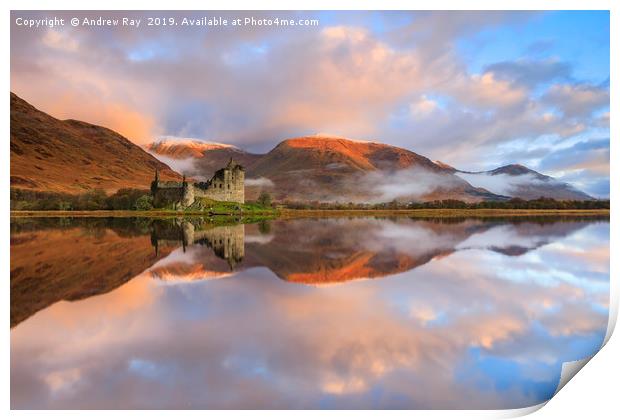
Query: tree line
(514, 203)
(137, 199)
(96, 199)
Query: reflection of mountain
(71, 259)
(51, 261)
(328, 251)
(337, 252)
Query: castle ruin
(227, 184)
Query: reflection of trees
(264, 227)
(123, 226)
(69, 259)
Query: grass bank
(264, 213)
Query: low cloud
(259, 182)
(502, 184)
(182, 166)
(411, 184)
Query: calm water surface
(313, 313)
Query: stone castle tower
(227, 184)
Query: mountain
(327, 168)
(331, 168)
(522, 182)
(444, 166)
(327, 251)
(197, 158)
(72, 156)
(179, 148)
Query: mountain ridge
(303, 167)
(525, 183)
(71, 156)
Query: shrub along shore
(139, 202)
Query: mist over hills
(520, 181)
(331, 168)
(71, 156)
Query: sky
(486, 323)
(475, 90)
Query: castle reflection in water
(227, 242)
(410, 313)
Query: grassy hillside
(71, 156)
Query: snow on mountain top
(198, 144)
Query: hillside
(72, 156)
(179, 148)
(197, 158)
(327, 168)
(325, 153)
(522, 182)
(330, 168)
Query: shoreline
(293, 213)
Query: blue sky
(473, 89)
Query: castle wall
(165, 196)
(226, 185)
(188, 195)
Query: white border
(601, 383)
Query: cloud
(59, 41)
(411, 184)
(577, 100)
(398, 77)
(530, 72)
(501, 183)
(183, 166)
(259, 182)
(425, 337)
(592, 155)
(423, 107)
(487, 91)
(593, 183)
(584, 164)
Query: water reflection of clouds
(458, 332)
